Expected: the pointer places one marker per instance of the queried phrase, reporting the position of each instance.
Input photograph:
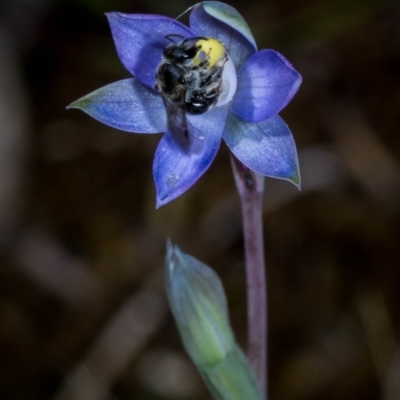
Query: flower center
(196, 74)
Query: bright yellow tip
(212, 49)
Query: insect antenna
(180, 15)
(169, 36)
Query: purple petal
(140, 40)
(177, 168)
(220, 21)
(127, 105)
(266, 84)
(266, 147)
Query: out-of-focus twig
(391, 383)
(44, 260)
(138, 319)
(379, 329)
(370, 161)
(13, 139)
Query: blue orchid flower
(247, 120)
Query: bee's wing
(184, 133)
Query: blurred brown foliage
(82, 307)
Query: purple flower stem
(250, 186)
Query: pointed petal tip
(295, 179)
(113, 14)
(109, 15)
(171, 250)
(299, 79)
(297, 83)
(162, 201)
(165, 198)
(175, 258)
(74, 104)
(170, 246)
(80, 104)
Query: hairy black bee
(183, 52)
(189, 79)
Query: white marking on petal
(229, 83)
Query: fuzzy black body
(188, 85)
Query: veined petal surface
(266, 84)
(127, 105)
(140, 40)
(266, 147)
(214, 19)
(177, 168)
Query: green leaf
(198, 303)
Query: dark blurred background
(82, 308)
